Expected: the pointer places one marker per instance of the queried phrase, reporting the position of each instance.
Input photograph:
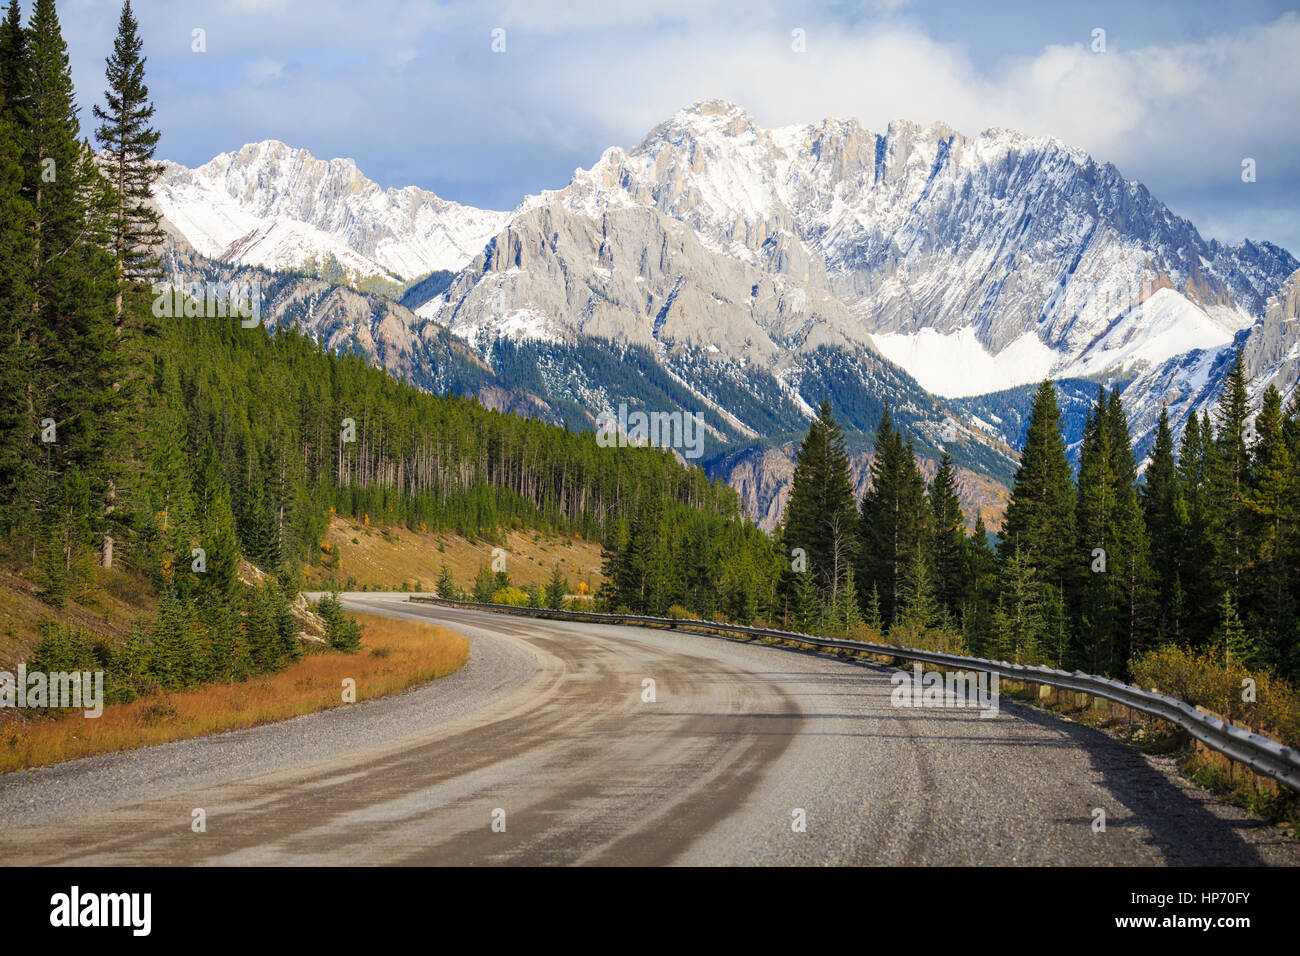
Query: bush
(511, 596)
(1208, 678)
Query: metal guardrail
(1262, 754)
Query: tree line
(1089, 571)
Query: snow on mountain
(281, 208)
(956, 364)
(936, 242)
(973, 263)
(1191, 382)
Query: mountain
(344, 320)
(280, 208)
(976, 263)
(1191, 383)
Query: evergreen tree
(1019, 625)
(820, 515)
(1272, 506)
(1133, 568)
(485, 586)
(1039, 519)
(446, 586)
(1229, 482)
(949, 538)
(895, 520)
(126, 136)
(1166, 517)
(979, 589)
(1098, 593)
(556, 589)
(1197, 552)
(919, 609)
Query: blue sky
(413, 92)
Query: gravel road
(545, 734)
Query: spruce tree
(1271, 503)
(1097, 573)
(1039, 520)
(1197, 563)
(1166, 517)
(556, 589)
(895, 519)
(129, 141)
(821, 516)
(949, 537)
(1229, 481)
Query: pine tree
(446, 586)
(1039, 519)
(949, 537)
(919, 609)
(1019, 627)
(1229, 481)
(485, 586)
(129, 141)
(1133, 570)
(1098, 594)
(1196, 564)
(1272, 506)
(76, 354)
(556, 589)
(821, 516)
(848, 611)
(18, 420)
(979, 588)
(1166, 518)
(895, 520)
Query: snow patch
(956, 364)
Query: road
(547, 734)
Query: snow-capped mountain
(280, 208)
(975, 263)
(1191, 382)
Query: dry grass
(394, 655)
(107, 610)
(394, 558)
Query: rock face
(750, 273)
(973, 264)
(1015, 256)
(343, 320)
(280, 208)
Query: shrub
(1211, 679)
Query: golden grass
(395, 655)
(395, 558)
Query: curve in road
(545, 750)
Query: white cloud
(413, 86)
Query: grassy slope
(395, 558)
(395, 655)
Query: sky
(1176, 95)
